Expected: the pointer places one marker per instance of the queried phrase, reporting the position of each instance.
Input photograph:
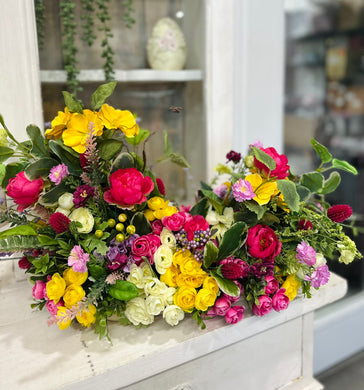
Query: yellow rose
(210, 284)
(118, 119)
(190, 266)
(72, 277)
(170, 276)
(63, 322)
(179, 257)
(149, 214)
(291, 285)
(157, 203)
(185, 298)
(73, 295)
(204, 299)
(87, 316)
(56, 287)
(166, 212)
(264, 190)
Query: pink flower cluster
(145, 246)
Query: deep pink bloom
(140, 248)
(211, 312)
(83, 162)
(272, 285)
(24, 192)
(154, 244)
(197, 222)
(82, 195)
(222, 305)
(235, 299)
(157, 226)
(24, 263)
(243, 190)
(78, 259)
(53, 307)
(119, 260)
(282, 167)
(233, 156)
(262, 242)
(174, 222)
(263, 268)
(234, 314)
(304, 225)
(319, 276)
(38, 289)
(339, 212)
(186, 209)
(59, 222)
(233, 268)
(160, 185)
(58, 173)
(306, 254)
(264, 307)
(280, 301)
(128, 187)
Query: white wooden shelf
(132, 76)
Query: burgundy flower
(339, 212)
(59, 222)
(160, 186)
(82, 195)
(233, 156)
(120, 260)
(261, 269)
(234, 268)
(304, 224)
(83, 162)
(24, 263)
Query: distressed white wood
(20, 94)
(78, 360)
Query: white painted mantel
(274, 352)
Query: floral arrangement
(100, 240)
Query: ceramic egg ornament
(166, 49)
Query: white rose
(84, 216)
(173, 314)
(168, 238)
(168, 297)
(66, 212)
(66, 201)
(136, 276)
(155, 287)
(163, 259)
(155, 305)
(136, 312)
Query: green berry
(122, 217)
(111, 222)
(99, 233)
(130, 229)
(119, 227)
(120, 237)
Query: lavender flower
(58, 173)
(319, 276)
(306, 254)
(78, 259)
(243, 190)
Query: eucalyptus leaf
(210, 254)
(72, 104)
(5, 153)
(290, 195)
(98, 98)
(331, 183)
(109, 148)
(321, 150)
(314, 181)
(38, 146)
(40, 167)
(264, 158)
(344, 166)
(226, 286)
(231, 240)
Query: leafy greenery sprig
(39, 9)
(88, 35)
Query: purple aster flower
(82, 194)
(243, 190)
(306, 254)
(78, 259)
(221, 191)
(58, 173)
(319, 276)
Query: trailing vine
(39, 9)
(127, 18)
(88, 35)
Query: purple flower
(235, 157)
(257, 144)
(243, 190)
(319, 276)
(58, 173)
(82, 194)
(221, 191)
(306, 254)
(264, 268)
(78, 259)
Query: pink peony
(221, 306)
(39, 289)
(264, 306)
(175, 222)
(282, 167)
(280, 301)
(272, 285)
(234, 314)
(128, 187)
(197, 222)
(24, 192)
(263, 243)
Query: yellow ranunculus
(79, 128)
(119, 119)
(180, 257)
(185, 298)
(291, 285)
(73, 295)
(190, 266)
(264, 190)
(157, 203)
(194, 281)
(149, 214)
(63, 322)
(56, 287)
(72, 277)
(87, 316)
(204, 299)
(58, 124)
(170, 276)
(166, 212)
(210, 284)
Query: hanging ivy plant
(39, 9)
(88, 24)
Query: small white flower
(163, 259)
(168, 238)
(84, 216)
(155, 305)
(139, 275)
(136, 312)
(173, 314)
(66, 201)
(155, 287)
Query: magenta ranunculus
(140, 247)
(282, 167)
(264, 307)
(53, 307)
(280, 301)
(262, 242)
(197, 222)
(157, 226)
(24, 192)
(38, 289)
(233, 268)
(119, 260)
(272, 285)
(128, 187)
(154, 244)
(234, 314)
(222, 305)
(174, 222)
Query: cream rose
(168, 238)
(163, 259)
(136, 312)
(66, 212)
(65, 201)
(84, 216)
(173, 314)
(140, 275)
(155, 305)
(155, 287)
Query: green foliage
(99, 97)
(39, 9)
(264, 158)
(210, 254)
(290, 195)
(14, 244)
(23, 230)
(5, 153)
(321, 151)
(227, 286)
(39, 168)
(214, 200)
(109, 148)
(123, 290)
(232, 240)
(139, 138)
(200, 208)
(87, 18)
(38, 147)
(122, 161)
(196, 315)
(67, 156)
(142, 225)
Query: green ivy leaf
(38, 143)
(231, 240)
(210, 254)
(40, 167)
(314, 181)
(331, 183)
(321, 150)
(344, 166)
(227, 286)
(72, 104)
(99, 97)
(264, 158)
(124, 290)
(290, 195)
